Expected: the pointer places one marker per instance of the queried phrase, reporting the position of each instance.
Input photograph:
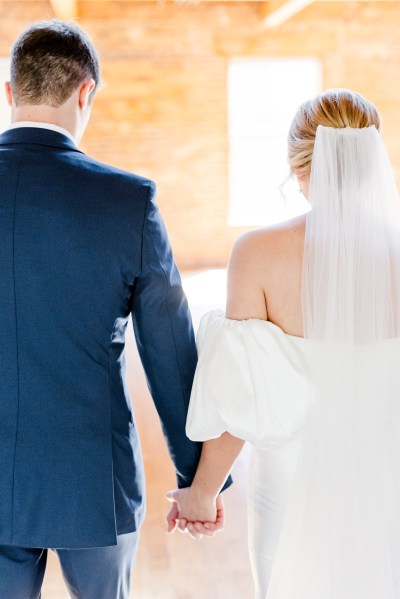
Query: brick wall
(163, 110)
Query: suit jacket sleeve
(165, 339)
(166, 342)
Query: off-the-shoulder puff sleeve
(251, 381)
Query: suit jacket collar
(34, 135)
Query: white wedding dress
(322, 413)
(258, 383)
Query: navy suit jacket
(83, 246)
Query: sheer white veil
(344, 512)
(351, 272)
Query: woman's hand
(195, 512)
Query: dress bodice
(257, 382)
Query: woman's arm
(199, 508)
(201, 502)
(216, 461)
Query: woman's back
(265, 276)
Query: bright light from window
(263, 96)
(5, 112)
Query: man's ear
(86, 88)
(9, 95)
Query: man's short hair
(49, 60)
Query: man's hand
(197, 514)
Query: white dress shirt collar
(38, 125)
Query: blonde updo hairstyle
(337, 108)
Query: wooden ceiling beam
(65, 9)
(276, 12)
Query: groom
(83, 246)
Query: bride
(305, 366)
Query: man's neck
(44, 114)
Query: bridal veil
(343, 516)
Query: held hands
(195, 512)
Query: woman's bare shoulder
(268, 240)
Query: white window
(5, 111)
(263, 96)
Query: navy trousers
(96, 573)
